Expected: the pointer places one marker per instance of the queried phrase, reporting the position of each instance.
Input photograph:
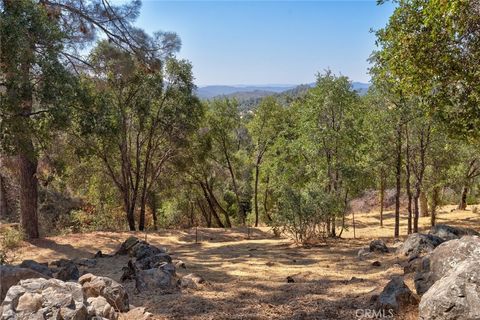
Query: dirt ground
(247, 275)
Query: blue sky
(269, 42)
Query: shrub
(10, 239)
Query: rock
(138, 313)
(67, 270)
(162, 277)
(376, 264)
(290, 280)
(419, 244)
(412, 265)
(98, 254)
(10, 276)
(396, 296)
(364, 253)
(192, 281)
(142, 250)
(112, 291)
(44, 299)
(126, 246)
(378, 246)
(99, 306)
(152, 261)
(441, 261)
(447, 232)
(86, 262)
(180, 264)
(35, 266)
(455, 296)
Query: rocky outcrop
(444, 259)
(10, 276)
(378, 246)
(455, 296)
(44, 299)
(418, 244)
(396, 296)
(114, 293)
(447, 232)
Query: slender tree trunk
(334, 231)
(215, 201)
(434, 206)
(265, 197)
(255, 192)
(212, 206)
(27, 168)
(205, 214)
(423, 204)
(152, 199)
(416, 210)
(382, 195)
(408, 186)
(234, 183)
(141, 222)
(398, 176)
(463, 199)
(3, 198)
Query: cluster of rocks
(445, 263)
(35, 290)
(92, 297)
(152, 267)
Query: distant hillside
(208, 92)
(250, 96)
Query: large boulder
(419, 244)
(455, 296)
(163, 277)
(10, 276)
(396, 296)
(378, 246)
(39, 267)
(152, 261)
(44, 299)
(112, 291)
(143, 250)
(441, 261)
(447, 232)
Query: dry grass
(247, 276)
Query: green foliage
(10, 239)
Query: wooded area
(319, 202)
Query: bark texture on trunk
(398, 178)
(463, 199)
(27, 169)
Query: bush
(10, 239)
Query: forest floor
(247, 275)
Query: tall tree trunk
(3, 198)
(212, 206)
(206, 215)
(27, 168)
(255, 192)
(152, 199)
(382, 195)
(241, 213)
(334, 227)
(408, 186)
(265, 197)
(423, 204)
(434, 206)
(463, 199)
(398, 178)
(416, 211)
(215, 201)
